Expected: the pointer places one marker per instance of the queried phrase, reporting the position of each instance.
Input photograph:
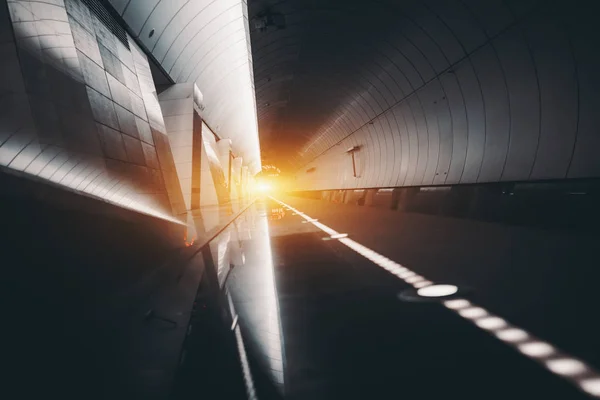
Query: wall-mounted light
(352, 150)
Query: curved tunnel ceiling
(431, 92)
(206, 42)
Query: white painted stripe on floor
(557, 362)
(246, 372)
(339, 236)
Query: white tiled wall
(76, 108)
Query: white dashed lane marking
(557, 362)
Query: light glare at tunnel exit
(264, 187)
(266, 199)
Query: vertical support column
(245, 184)
(229, 182)
(196, 161)
(369, 196)
(184, 128)
(236, 177)
(224, 150)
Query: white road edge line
(557, 362)
(245, 364)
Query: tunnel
(299, 199)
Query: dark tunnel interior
(299, 199)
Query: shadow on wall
(80, 108)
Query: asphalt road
(346, 334)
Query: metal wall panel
(415, 105)
(492, 15)
(523, 92)
(585, 161)
(558, 92)
(458, 128)
(471, 89)
(429, 96)
(497, 113)
(390, 147)
(424, 16)
(444, 121)
(413, 142)
(402, 148)
(434, 92)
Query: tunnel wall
(469, 92)
(79, 108)
(183, 126)
(206, 42)
(565, 205)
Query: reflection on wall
(220, 252)
(79, 108)
(227, 250)
(254, 293)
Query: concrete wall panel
(206, 42)
(72, 123)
